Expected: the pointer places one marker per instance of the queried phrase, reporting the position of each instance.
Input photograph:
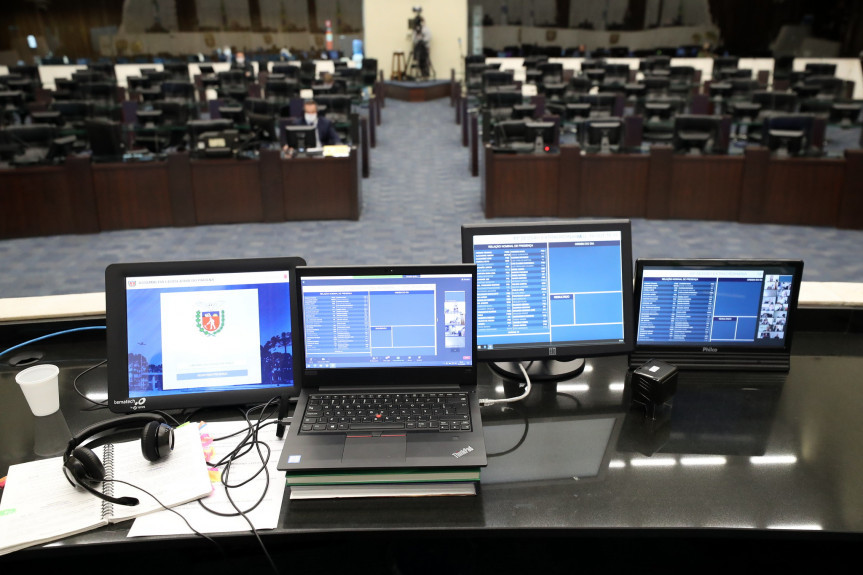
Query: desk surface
(739, 455)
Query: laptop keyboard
(435, 412)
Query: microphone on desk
(118, 500)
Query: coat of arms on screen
(210, 322)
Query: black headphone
(82, 466)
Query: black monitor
(722, 64)
(554, 91)
(543, 134)
(283, 89)
(681, 73)
(776, 100)
(716, 314)
(602, 135)
(524, 111)
(601, 104)
(299, 137)
(491, 78)
(551, 69)
(845, 114)
(263, 126)
(659, 110)
(105, 138)
(820, 69)
(287, 70)
(235, 114)
(29, 71)
(655, 63)
(178, 70)
(720, 89)
(697, 134)
(199, 334)
(788, 134)
(338, 106)
(104, 68)
(214, 138)
(512, 135)
(503, 98)
(619, 72)
(551, 293)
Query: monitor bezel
(715, 349)
(570, 350)
(389, 375)
(117, 333)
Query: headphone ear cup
(157, 440)
(84, 466)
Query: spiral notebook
(40, 505)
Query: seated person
(327, 135)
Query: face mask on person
(311, 118)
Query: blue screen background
(145, 338)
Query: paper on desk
(264, 516)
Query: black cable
(247, 443)
(523, 438)
(174, 511)
(78, 391)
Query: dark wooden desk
(739, 461)
(752, 188)
(83, 197)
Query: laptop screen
(196, 334)
(389, 320)
(717, 304)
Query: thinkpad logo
(462, 452)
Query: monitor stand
(540, 370)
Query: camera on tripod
(416, 22)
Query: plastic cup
(39, 384)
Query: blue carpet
(419, 193)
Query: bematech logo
(462, 452)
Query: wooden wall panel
(321, 188)
(614, 185)
(132, 195)
(705, 187)
(227, 191)
(851, 208)
(804, 191)
(525, 185)
(45, 201)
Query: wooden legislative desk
(752, 188)
(84, 197)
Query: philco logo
(462, 452)
(709, 349)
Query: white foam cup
(39, 384)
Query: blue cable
(14, 347)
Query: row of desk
(80, 196)
(751, 188)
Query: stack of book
(384, 483)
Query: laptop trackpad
(383, 448)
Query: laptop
(716, 314)
(388, 369)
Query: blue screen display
(547, 289)
(402, 321)
(209, 333)
(721, 306)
